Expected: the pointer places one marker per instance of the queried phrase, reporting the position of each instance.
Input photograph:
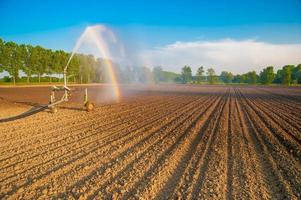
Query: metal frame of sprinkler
(67, 93)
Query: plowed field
(160, 142)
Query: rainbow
(93, 34)
(113, 79)
(102, 47)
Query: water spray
(101, 37)
(67, 93)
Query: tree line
(47, 65)
(38, 61)
(289, 74)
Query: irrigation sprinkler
(66, 96)
(53, 101)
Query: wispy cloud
(238, 56)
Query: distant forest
(39, 64)
(288, 75)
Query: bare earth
(159, 142)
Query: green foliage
(248, 78)
(252, 77)
(226, 77)
(200, 74)
(1, 55)
(237, 79)
(171, 77)
(38, 61)
(267, 75)
(287, 74)
(278, 77)
(298, 77)
(160, 76)
(186, 74)
(6, 79)
(295, 72)
(212, 78)
(12, 60)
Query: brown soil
(158, 142)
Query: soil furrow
(160, 173)
(83, 155)
(291, 144)
(88, 148)
(73, 136)
(135, 159)
(286, 98)
(271, 165)
(158, 142)
(85, 122)
(288, 127)
(210, 177)
(230, 158)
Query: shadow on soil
(36, 108)
(32, 111)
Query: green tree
(298, 77)
(73, 69)
(64, 57)
(57, 62)
(200, 74)
(286, 74)
(48, 63)
(25, 56)
(186, 74)
(237, 79)
(32, 61)
(244, 78)
(1, 55)
(82, 68)
(252, 77)
(226, 77)
(12, 60)
(87, 68)
(212, 78)
(295, 72)
(278, 77)
(267, 75)
(38, 61)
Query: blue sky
(146, 26)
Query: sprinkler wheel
(53, 109)
(89, 106)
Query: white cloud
(228, 54)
